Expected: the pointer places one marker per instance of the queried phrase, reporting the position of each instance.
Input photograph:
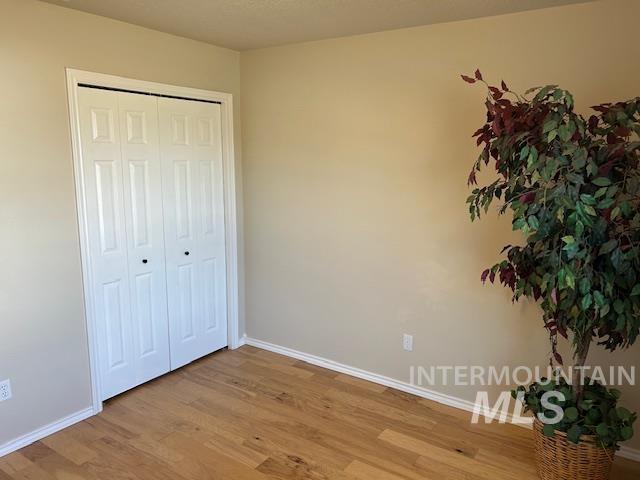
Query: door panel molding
(103, 130)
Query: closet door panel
(142, 180)
(190, 151)
(208, 151)
(105, 211)
(180, 215)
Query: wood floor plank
(250, 414)
(429, 452)
(217, 464)
(373, 387)
(61, 468)
(69, 448)
(364, 471)
(13, 462)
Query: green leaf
(590, 210)
(562, 275)
(571, 414)
(549, 430)
(601, 181)
(518, 224)
(615, 212)
(599, 298)
(573, 434)
(602, 430)
(626, 433)
(606, 203)
(608, 247)
(549, 125)
(564, 132)
(593, 415)
(533, 222)
(623, 413)
(584, 285)
(587, 199)
(586, 301)
(568, 239)
(601, 192)
(636, 290)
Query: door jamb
(75, 77)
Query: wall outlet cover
(5, 390)
(407, 342)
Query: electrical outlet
(407, 342)
(5, 390)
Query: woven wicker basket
(559, 459)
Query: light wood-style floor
(250, 414)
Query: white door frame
(76, 77)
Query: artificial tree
(572, 186)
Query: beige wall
(356, 153)
(43, 347)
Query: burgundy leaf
(605, 168)
(478, 132)
(558, 358)
(527, 197)
(562, 331)
(478, 74)
(537, 293)
(604, 108)
(468, 79)
(622, 132)
(506, 247)
(495, 93)
(554, 296)
(504, 86)
(484, 275)
(617, 152)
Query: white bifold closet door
(122, 179)
(191, 151)
(152, 176)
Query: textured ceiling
(246, 24)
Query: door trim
(76, 77)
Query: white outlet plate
(5, 390)
(407, 342)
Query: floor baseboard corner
(40, 433)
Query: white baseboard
(451, 401)
(45, 431)
(629, 453)
(241, 341)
